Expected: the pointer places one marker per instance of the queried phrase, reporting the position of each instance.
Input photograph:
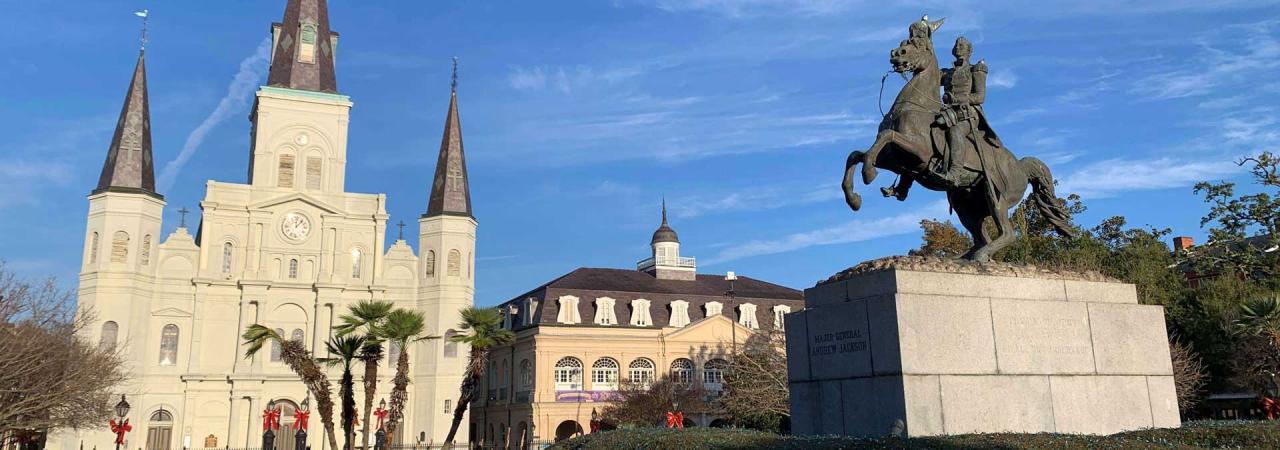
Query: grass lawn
(1192, 435)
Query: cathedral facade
(290, 248)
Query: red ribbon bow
(300, 419)
(1272, 407)
(271, 419)
(381, 414)
(675, 420)
(120, 429)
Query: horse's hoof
(868, 174)
(854, 200)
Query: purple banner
(586, 396)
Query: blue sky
(579, 116)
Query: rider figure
(964, 91)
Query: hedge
(1192, 435)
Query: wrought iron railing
(668, 261)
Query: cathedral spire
(128, 167)
(303, 48)
(450, 192)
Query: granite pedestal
(924, 353)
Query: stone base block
(928, 353)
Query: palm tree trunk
(300, 361)
(370, 389)
(475, 367)
(399, 393)
(348, 408)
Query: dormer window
(307, 44)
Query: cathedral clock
(295, 226)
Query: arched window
(504, 378)
(682, 371)
(641, 372)
(107, 340)
(162, 416)
(169, 345)
(119, 247)
(448, 406)
(713, 374)
(93, 249)
(430, 264)
(226, 257)
(450, 347)
(779, 315)
(455, 263)
(313, 172)
(393, 353)
(284, 176)
(297, 336)
(293, 268)
(568, 374)
(144, 253)
(526, 375)
(604, 374)
(160, 430)
(355, 262)
(747, 316)
(276, 348)
(605, 314)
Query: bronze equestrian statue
(945, 143)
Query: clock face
(295, 226)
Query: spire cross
(454, 84)
(183, 212)
(401, 225)
(142, 41)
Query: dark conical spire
(128, 167)
(304, 48)
(450, 192)
(664, 233)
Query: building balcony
(668, 261)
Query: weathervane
(183, 212)
(454, 85)
(142, 46)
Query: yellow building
(580, 335)
(289, 248)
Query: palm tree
(346, 349)
(482, 330)
(401, 327)
(295, 354)
(1261, 318)
(367, 316)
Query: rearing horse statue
(912, 143)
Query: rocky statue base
(920, 347)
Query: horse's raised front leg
(887, 137)
(852, 198)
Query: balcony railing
(668, 261)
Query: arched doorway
(522, 439)
(567, 429)
(285, 439)
(160, 430)
(689, 423)
(719, 423)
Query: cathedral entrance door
(160, 431)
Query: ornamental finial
(142, 40)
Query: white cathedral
(290, 249)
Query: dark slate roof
(129, 167)
(450, 191)
(589, 284)
(664, 233)
(286, 70)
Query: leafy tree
(942, 239)
(639, 405)
(295, 355)
(366, 316)
(400, 328)
(1259, 325)
(51, 376)
(1245, 225)
(756, 391)
(347, 349)
(481, 331)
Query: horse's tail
(1043, 197)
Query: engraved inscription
(846, 341)
(1045, 335)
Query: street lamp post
(730, 277)
(122, 410)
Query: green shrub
(1192, 435)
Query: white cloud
(568, 79)
(237, 98)
(758, 198)
(20, 178)
(1002, 79)
(1232, 55)
(853, 231)
(1110, 177)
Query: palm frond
(256, 336)
(345, 349)
(366, 313)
